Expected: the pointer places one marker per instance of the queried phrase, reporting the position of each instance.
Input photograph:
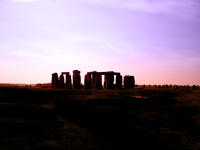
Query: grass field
(49, 119)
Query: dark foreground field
(50, 119)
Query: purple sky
(157, 41)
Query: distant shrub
(194, 87)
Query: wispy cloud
(180, 8)
(26, 1)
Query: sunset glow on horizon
(157, 41)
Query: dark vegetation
(164, 118)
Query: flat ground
(52, 119)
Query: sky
(157, 41)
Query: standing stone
(76, 79)
(93, 76)
(68, 84)
(129, 82)
(54, 81)
(109, 80)
(88, 81)
(97, 81)
(118, 81)
(61, 81)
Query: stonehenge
(96, 78)
(76, 79)
(109, 79)
(93, 80)
(88, 81)
(61, 81)
(129, 82)
(118, 81)
(54, 81)
(68, 84)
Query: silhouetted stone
(76, 79)
(109, 80)
(129, 82)
(118, 81)
(54, 81)
(61, 81)
(93, 75)
(68, 83)
(88, 81)
(94, 80)
(97, 81)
